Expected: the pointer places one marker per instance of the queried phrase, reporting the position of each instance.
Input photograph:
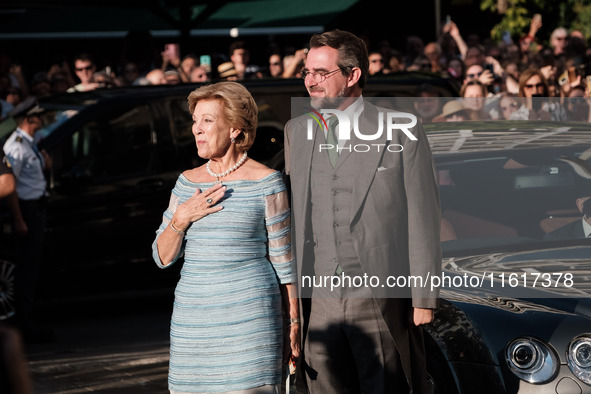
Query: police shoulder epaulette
(19, 139)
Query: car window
(118, 142)
(181, 119)
(510, 197)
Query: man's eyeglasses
(532, 86)
(377, 61)
(474, 75)
(87, 68)
(561, 38)
(318, 76)
(275, 64)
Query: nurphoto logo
(387, 123)
(344, 125)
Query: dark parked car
(116, 155)
(516, 312)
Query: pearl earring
(233, 140)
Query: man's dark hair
(84, 57)
(238, 45)
(351, 49)
(426, 88)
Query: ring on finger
(209, 201)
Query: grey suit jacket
(394, 220)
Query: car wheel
(7, 307)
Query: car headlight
(578, 357)
(531, 360)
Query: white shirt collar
(355, 107)
(586, 228)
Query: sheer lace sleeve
(278, 222)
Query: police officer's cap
(36, 110)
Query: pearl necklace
(223, 174)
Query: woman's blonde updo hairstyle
(239, 108)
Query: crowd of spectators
(527, 79)
(514, 79)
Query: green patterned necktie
(331, 139)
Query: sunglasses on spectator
(474, 75)
(561, 38)
(275, 64)
(511, 106)
(377, 61)
(536, 86)
(87, 68)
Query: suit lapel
(301, 162)
(366, 163)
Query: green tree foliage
(572, 14)
(583, 19)
(515, 20)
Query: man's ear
(354, 77)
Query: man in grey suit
(359, 214)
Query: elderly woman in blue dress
(230, 219)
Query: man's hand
(422, 316)
(534, 26)
(486, 78)
(452, 29)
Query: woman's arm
(170, 241)
(291, 303)
(278, 222)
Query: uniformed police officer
(28, 207)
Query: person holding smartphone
(538, 104)
(171, 61)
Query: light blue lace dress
(226, 329)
